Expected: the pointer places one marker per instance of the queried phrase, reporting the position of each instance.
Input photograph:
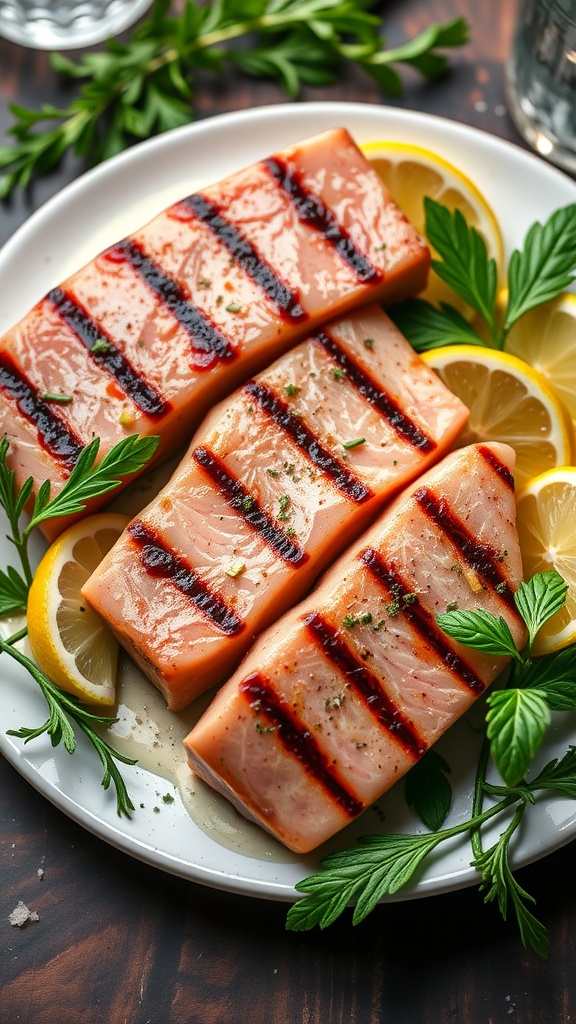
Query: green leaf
(480, 630)
(13, 592)
(540, 598)
(554, 676)
(428, 791)
(545, 266)
(516, 723)
(464, 264)
(87, 481)
(427, 327)
(380, 865)
(497, 877)
(558, 774)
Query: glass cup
(541, 79)
(66, 24)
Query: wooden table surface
(118, 942)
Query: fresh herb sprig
(88, 480)
(538, 272)
(62, 707)
(517, 718)
(135, 89)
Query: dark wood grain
(120, 943)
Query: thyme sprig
(135, 89)
(517, 718)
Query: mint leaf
(516, 722)
(480, 630)
(428, 791)
(540, 598)
(554, 676)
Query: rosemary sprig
(61, 708)
(144, 86)
(88, 479)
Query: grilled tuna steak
(338, 699)
(146, 337)
(278, 480)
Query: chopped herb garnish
(233, 307)
(354, 443)
(272, 472)
(393, 608)
(338, 373)
(247, 503)
(291, 390)
(369, 342)
(263, 728)
(204, 283)
(54, 396)
(452, 606)
(100, 346)
(284, 502)
(349, 621)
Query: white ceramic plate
(95, 211)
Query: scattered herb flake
(354, 443)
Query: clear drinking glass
(66, 24)
(541, 79)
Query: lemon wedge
(547, 531)
(546, 338)
(411, 173)
(508, 401)
(69, 641)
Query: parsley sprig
(89, 479)
(517, 718)
(132, 90)
(538, 272)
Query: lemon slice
(547, 531)
(546, 338)
(411, 173)
(508, 401)
(68, 639)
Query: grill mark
(249, 508)
(366, 685)
(306, 440)
(89, 332)
(482, 558)
(159, 561)
(54, 435)
(499, 467)
(420, 619)
(380, 400)
(298, 741)
(205, 336)
(244, 253)
(312, 211)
